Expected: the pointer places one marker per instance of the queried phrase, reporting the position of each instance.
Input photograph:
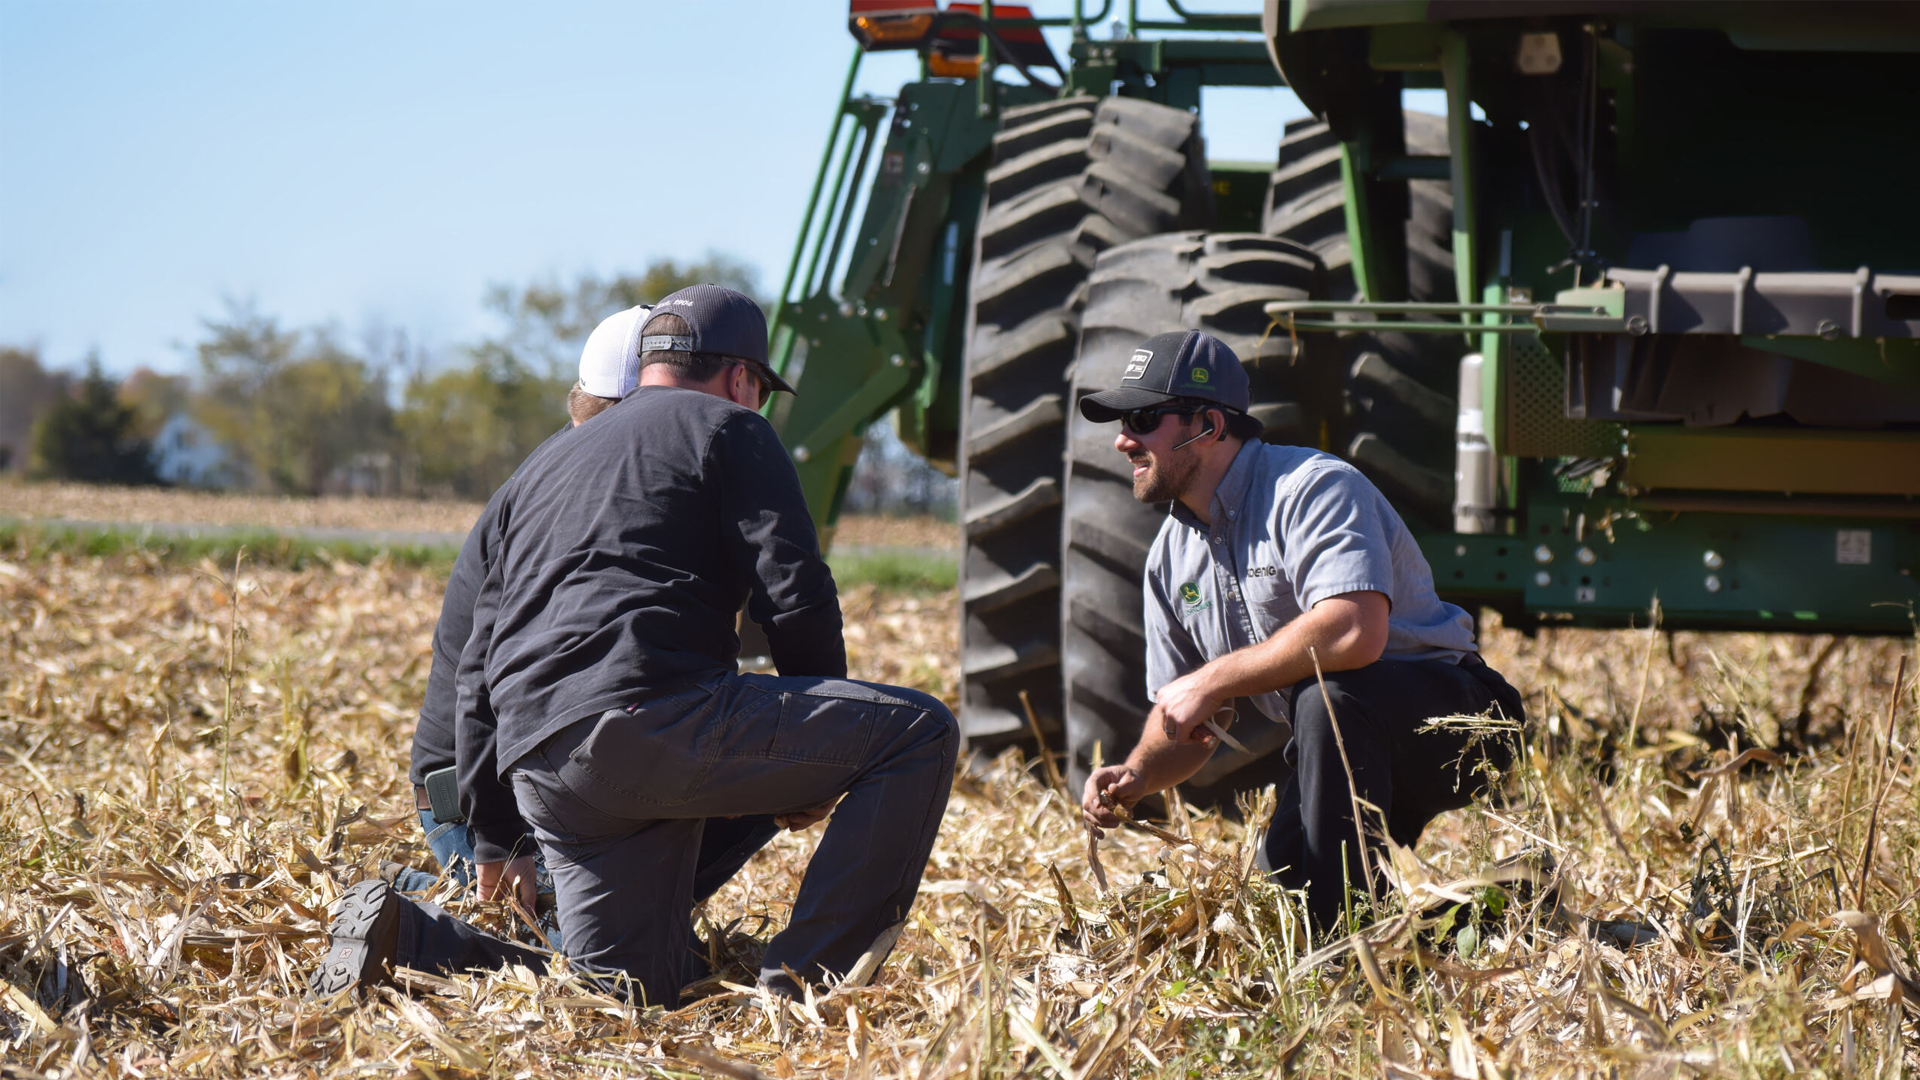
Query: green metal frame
(1775, 550)
(871, 313)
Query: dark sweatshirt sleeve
(433, 736)
(769, 535)
(492, 815)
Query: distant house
(186, 454)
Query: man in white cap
(377, 924)
(609, 371)
(600, 705)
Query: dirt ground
(193, 764)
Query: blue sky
(380, 164)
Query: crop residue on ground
(194, 763)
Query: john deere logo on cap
(1137, 364)
(1198, 376)
(1190, 593)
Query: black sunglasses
(1144, 421)
(759, 377)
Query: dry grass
(123, 505)
(142, 506)
(192, 767)
(877, 531)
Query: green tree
(466, 428)
(296, 407)
(92, 436)
(155, 398)
(547, 323)
(26, 390)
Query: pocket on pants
(656, 753)
(817, 729)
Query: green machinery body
(1602, 271)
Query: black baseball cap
(719, 321)
(1183, 365)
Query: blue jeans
(452, 847)
(624, 803)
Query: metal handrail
(1288, 307)
(1190, 20)
(1284, 314)
(813, 199)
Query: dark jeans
(622, 802)
(1410, 775)
(435, 941)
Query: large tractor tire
(1069, 179)
(1218, 283)
(1398, 418)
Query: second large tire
(1398, 419)
(1069, 179)
(1218, 283)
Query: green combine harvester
(1634, 322)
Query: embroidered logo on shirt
(1264, 571)
(1195, 603)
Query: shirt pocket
(1265, 580)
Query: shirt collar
(1232, 492)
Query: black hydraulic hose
(1541, 149)
(1590, 124)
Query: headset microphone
(1203, 434)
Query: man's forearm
(1159, 762)
(1335, 631)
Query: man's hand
(1107, 787)
(498, 880)
(1186, 704)
(806, 819)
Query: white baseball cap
(610, 364)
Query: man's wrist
(1209, 680)
(498, 846)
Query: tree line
(308, 411)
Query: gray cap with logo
(1182, 365)
(719, 321)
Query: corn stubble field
(194, 763)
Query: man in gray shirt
(1273, 557)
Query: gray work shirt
(1291, 527)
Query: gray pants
(433, 940)
(619, 803)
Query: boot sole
(364, 934)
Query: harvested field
(194, 764)
(164, 506)
(267, 513)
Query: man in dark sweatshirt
(599, 701)
(375, 929)
(609, 371)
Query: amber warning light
(949, 39)
(891, 24)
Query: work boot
(364, 937)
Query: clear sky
(379, 164)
